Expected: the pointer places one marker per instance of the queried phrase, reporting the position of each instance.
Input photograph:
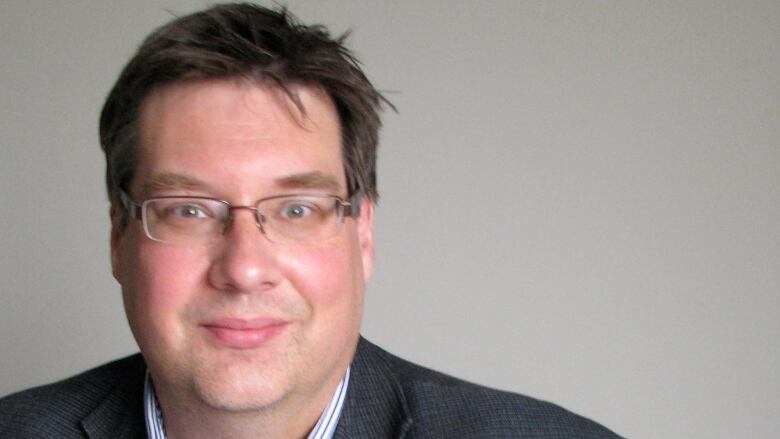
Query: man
(241, 150)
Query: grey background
(579, 199)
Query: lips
(244, 333)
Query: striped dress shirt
(324, 429)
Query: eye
(297, 209)
(188, 211)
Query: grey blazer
(387, 397)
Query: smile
(243, 333)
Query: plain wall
(580, 200)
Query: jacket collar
(376, 405)
(120, 414)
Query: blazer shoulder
(445, 406)
(56, 409)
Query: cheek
(157, 282)
(325, 275)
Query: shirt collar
(324, 428)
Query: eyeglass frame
(349, 209)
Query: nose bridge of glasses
(258, 216)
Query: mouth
(243, 333)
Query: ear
(117, 231)
(365, 231)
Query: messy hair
(257, 44)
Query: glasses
(283, 219)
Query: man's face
(242, 323)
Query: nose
(245, 261)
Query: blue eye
(188, 211)
(296, 210)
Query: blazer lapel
(120, 414)
(375, 406)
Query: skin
(241, 142)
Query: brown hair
(261, 45)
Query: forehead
(248, 108)
(253, 130)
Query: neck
(184, 424)
(293, 417)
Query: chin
(240, 392)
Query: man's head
(229, 107)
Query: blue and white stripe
(324, 429)
(326, 426)
(152, 413)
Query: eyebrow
(307, 180)
(310, 180)
(169, 180)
